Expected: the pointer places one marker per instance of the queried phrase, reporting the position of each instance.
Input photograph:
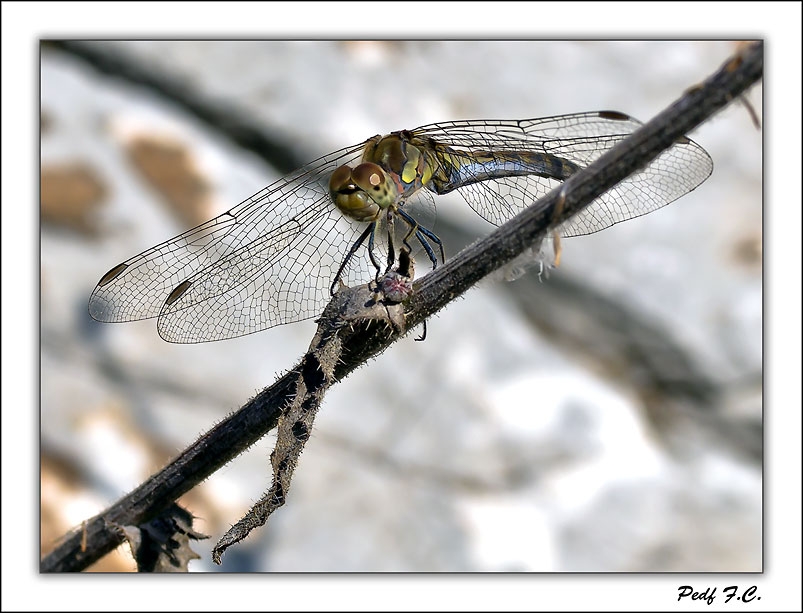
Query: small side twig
(240, 430)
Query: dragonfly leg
(391, 248)
(369, 234)
(434, 238)
(412, 224)
(371, 255)
(423, 333)
(428, 248)
(420, 232)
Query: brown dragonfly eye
(350, 197)
(369, 177)
(372, 179)
(341, 180)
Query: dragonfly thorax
(362, 193)
(407, 164)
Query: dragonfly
(278, 256)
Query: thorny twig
(240, 430)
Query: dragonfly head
(362, 193)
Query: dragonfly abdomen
(467, 168)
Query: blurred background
(606, 418)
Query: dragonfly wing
(499, 200)
(279, 278)
(528, 134)
(674, 173)
(579, 138)
(269, 226)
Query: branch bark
(236, 433)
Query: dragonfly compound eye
(350, 198)
(374, 181)
(361, 193)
